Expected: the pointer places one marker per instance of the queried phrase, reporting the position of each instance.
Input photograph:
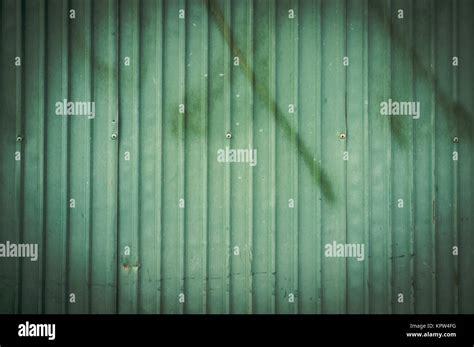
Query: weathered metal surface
(158, 224)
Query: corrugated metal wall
(157, 224)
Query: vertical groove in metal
(393, 282)
(344, 128)
(253, 175)
(434, 243)
(19, 132)
(249, 114)
(181, 147)
(208, 182)
(455, 215)
(415, 216)
(369, 154)
(411, 166)
(65, 91)
(228, 215)
(466, 170)
(44, 28)
(366, 157)
(88, 143)
(204, 73)
(389, 177)
(272, 110)
(136, 188)
(113, 169)
(117, 164)
(90, 161)
(159, 48)
(294, 159)
(319, 143)
(139, 141)
(187, 154)
(228, 42)
(41, 147)
(346, 131)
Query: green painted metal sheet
(132, 209)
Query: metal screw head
(455, 139)
(114, 136)
(19, 138)
(228, 135)
(342, 136)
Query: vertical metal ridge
(228, 173)
(250, 59)
(90, 161)
(208, 147)
(43, 135)
(2, 83)
(65, 152)
(272, 170)
(252, 179)
(465, 129)
(88, 143)
(138, 144)
(163, 172)
(228, 215)
(181, 147)
(455, 216)
(113, 169)
(41, 149)
(294, 159)
(321, 144)
(366, 157)
(205, 151)
(185, 240)
(433, 157)
(19, 168)
(414, 243)
(411, 165)
(159, 49)
(389, 177)
(320, 149)
(346, 54)
(137, 181)
(117, 163)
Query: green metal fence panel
(236, 156)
